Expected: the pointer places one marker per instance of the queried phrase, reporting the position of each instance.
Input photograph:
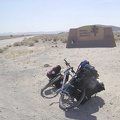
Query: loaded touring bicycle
(74, 90)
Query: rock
(46, 65)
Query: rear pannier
(53, 72)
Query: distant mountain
(31, 33)
(114, 28)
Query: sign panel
(90, 33)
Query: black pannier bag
(87, 71)
(92, 70)
(53, 72)
(87, 78)
(99, 86)
(84, 76)
(92, 86)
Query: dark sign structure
(91, 36)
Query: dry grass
(17, 44)
(45, 37)
(3, 49)
(26, 42)
(30, 44)
(52, 37)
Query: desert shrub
(64, 41)
(35, 40)
(54, 39)
(1, 50)
(17, 44)
(6, 47)
(9, 45)
(46, 39)
(31, 44)
(49, 39)
(24, 43)
(11, 35)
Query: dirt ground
(22, 75)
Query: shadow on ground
(86, 111)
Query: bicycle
(66, 101)
(79, 89)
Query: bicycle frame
(66, 73)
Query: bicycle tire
(51, 82)
(63, 107)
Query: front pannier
(53, 72)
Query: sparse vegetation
(36, 41)
(31, 41)
(44, 38)
(26, 42)
(31, 44)
(8, 45)
(17, 44)
(49, 37)
(54, 39)
(11, 36)
(1, 50)
(64, 41)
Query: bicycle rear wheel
(68, 102)
(50, 91)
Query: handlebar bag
(53, 72)
(87, 71)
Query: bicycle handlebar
(68, 64)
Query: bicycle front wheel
(68, 102)
(50, 91)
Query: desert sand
(22, 75)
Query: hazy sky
(56, 15)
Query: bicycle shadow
(85, 112)
(50, 91)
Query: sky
(56, 15)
